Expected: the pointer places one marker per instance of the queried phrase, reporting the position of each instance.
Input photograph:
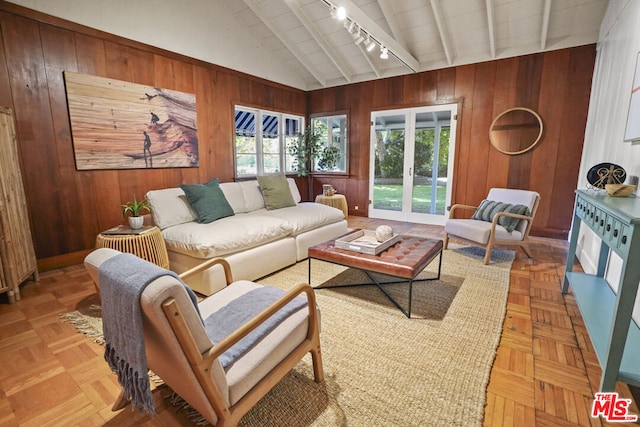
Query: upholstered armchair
(180, 351)
(503, 218)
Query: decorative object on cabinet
(516, 130)
(17, 254)
(632, 132)
(121, 125)
(607, 314)
(620, 190)
(606, 173)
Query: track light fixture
(339, 13)
(370, 44)
(358, 37)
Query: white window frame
(343, 164)
(283, 152)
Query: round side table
(148, 245)
(338, 201)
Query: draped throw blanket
(240, 310)
(123, 278)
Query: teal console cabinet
(607, 314)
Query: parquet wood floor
(545, 372)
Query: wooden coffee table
(404, 260)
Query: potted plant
(303, 149)
(135, 208)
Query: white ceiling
(297, 43)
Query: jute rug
(383, 369)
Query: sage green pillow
(207, 201)
(275, 191)
(488, 209)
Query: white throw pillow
(170, 207)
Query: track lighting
(370, 44)
(339, 13)
(358, 37)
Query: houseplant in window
(135, 208)
(328, 158)
(304, 148)
(308, 146)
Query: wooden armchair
(180, 352)
(489, 232)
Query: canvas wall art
(632, 132)
(121, 125)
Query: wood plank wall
(556, 84)
(69, 207)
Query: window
(261, 139)
(332, 156)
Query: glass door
(410, 165)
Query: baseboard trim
(61, 261)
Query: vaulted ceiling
(420, 35)
(299, 43)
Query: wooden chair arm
(207, 264)
(231, 339)
(460, 206)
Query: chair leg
(525, 248)
(120, 402)
(446, 241)
(487, 256)
(318, 370)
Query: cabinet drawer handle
(624, 239)
(608, 227)
(601, 222)
(615, 233)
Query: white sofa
(255, 241)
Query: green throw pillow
(276, 192)
(488, 209)
(207, 200)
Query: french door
(412, 152)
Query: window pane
(271, 163)
(292, 128)
(332, 156)
(245, 143)
(260, 141)
(246, 164)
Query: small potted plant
(135, 208)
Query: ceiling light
(358, 37)
(341, 13)
(370, 44)
(384, 52)
(352, 27)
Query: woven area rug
(382, 368)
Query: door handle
(410, 172)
